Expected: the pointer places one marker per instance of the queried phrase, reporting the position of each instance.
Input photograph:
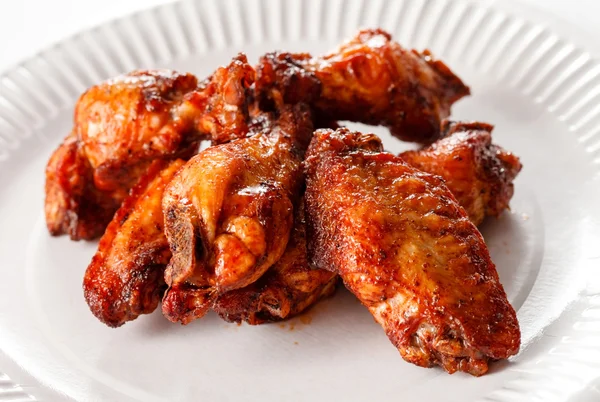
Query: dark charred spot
(171, 214)
(124, 219)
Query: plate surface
(541, 92)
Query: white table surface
(28, 26)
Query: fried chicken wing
(288, 288)
(369, 79)
(124, 124)
(229, 213)
(125, 277)
(406, 249)
(479, 174)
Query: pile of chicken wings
(284, 203)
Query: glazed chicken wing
(402, 244)
(125, 277)
(123, 124)
(479, 174)
(288, 288)
(369, 79)
(229, 213)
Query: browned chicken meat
(402, 244)
(369, 79)
(125, 277)
(229, 213)
(123, 124)
(479, 174)
(288, 288)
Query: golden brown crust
(479, 174)
(125, 277)
(369, 79)
(288, 288)
(401, 243)
(229, 212)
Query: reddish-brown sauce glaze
(403, 245)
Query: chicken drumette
(125, 277)
(369, 79)
(124, 124)
(229, 212)
(402, 244)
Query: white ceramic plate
(539, 89)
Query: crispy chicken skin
(402, 244)
(221, 107)
(288, 288)
(369, 79)
(123, 124)
(229, 213)
(479, 174)
(125, 277)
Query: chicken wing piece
(402, 244)
(125, 277)
(369, 79)
(229, 213)
(124, 124)
(288, 288)
(479, 174)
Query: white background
(28, 26)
